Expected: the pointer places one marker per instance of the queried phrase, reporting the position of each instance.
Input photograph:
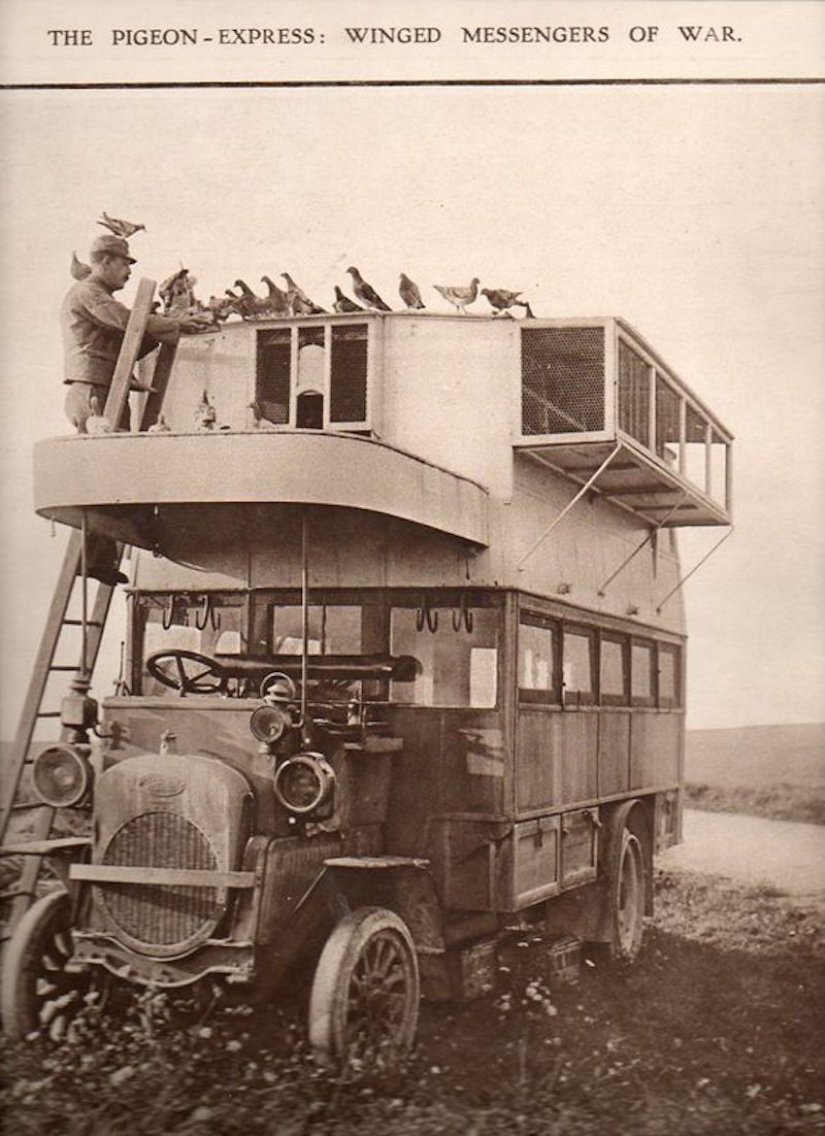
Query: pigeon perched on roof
(344, 303)
(78, 269)
(366, 293)
(409, 292)
(160, 427)
(258, 420)
(278, 298)
(251, 306)
(299, 302)
(459, 297)
(178, 293)
(120, 228)
(500, 299)
(97, 423)
(221, 307)
(205, 415)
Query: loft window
(348, 374)
(313, 377)
(562, 380)
(273, 366)
(669, 676)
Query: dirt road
(752, 850)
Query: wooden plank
(132, 338)
(176, 877)
(45, 847)
(160, 382)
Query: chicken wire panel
(668, 404)
(348, 374)
(634, 394)
(696, 450)
(272, 374)
(562, 380)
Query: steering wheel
(188, 672)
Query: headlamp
(304, 782)
(61, 776)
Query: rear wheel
(627, 898)
(38, 993)
(365, 993)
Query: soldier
(93, 322)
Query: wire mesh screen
(667, 421)
(272, 374)
(634, 394)
(562, 380)
(348, 379)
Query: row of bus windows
(583, 666)
(457, 649)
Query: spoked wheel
(365, 993)
(38, 993)
(628, 898)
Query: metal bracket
(685, 579)
(587, 485)
(647, 539)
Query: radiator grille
(161, 915)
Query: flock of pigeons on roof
(177, 293)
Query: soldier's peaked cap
(111, 245)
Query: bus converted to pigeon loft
(405, 664)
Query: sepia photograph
(411, 577)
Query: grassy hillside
(758, 756)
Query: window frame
(623, 641)
(675, 651)
(551, 696)
(589, 698)
(644, 700)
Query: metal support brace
(587, 485)
(685, 579)
(647, 539)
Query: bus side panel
(538, 759)
(614, 752)
(580, 732)
(654, 750)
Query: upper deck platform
(418, 416)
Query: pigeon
(344, 303)
(366, 293)
(78, 269)
(500, 299)
(299, 302)
(258, 420)
(205, 415)
(178, 293)
(251, 306)
(120, 228)
(278, 298)
(97, 423)
(221, 307)
(409, 293)
(160, 427)
(459, 297)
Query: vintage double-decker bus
(405, 663)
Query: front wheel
(38, 993)
(365, 993)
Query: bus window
(642, 686)
(458, 668)
(577, 667)
(334, 629)
(537, 668)
(668, 675)
(613, 671)
(204, 624)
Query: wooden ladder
(18, 896)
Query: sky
(695, 212)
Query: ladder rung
(47, 714)
(19, 806)
(79, 623)
(63, 667)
